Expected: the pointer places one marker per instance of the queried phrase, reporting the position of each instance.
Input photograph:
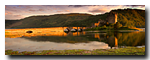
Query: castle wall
(112, 17)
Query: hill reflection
(112, 38)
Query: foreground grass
(119, 51)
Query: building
(111, 19)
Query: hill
(49, 21)
(10, 22)
(127, 17)
(131, 17)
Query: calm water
(76, 40)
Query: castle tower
(112, 17)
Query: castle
(111, 19)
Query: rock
(73, 30)
(66, 30)
(79, 30)
(29, 32)
(140, 46)
(136, 30)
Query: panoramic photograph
(74, 29)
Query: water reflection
(45, 39)
(111, 40)
(22, 44)
(123, 39)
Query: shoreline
(94, 31)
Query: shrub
(117, 25)
(104, 26)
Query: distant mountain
(127, 17)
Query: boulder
(79, 30)
(73, 30)
(29, 32)
(66, 30)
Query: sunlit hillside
(131, 17)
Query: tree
(112, 25)
(104, 26)
(117, 25)
(107, 24)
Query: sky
(16, 12)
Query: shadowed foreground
(119, 51)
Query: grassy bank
(119, 51)
(109, 29)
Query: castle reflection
(111, 40)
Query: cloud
(110, 5)
(63, 11)
(32, 10)
(67, 10)
(26, 6)
(14, 7)
(75, 6)
(28, 10)
(36, 10)
(19, 6)
(54, 8)
(81, 5)
(5, 13)
(98, 10)
(50, 9)
(8, 13)
(59, 11)
(41, 10)
(14, 17)
(17, 15)
(136, 5)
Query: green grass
(107, 29)
(125, 28)
(119, 51)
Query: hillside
(127, 17)
(131, 17)
(49, 21)
(10, 22)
